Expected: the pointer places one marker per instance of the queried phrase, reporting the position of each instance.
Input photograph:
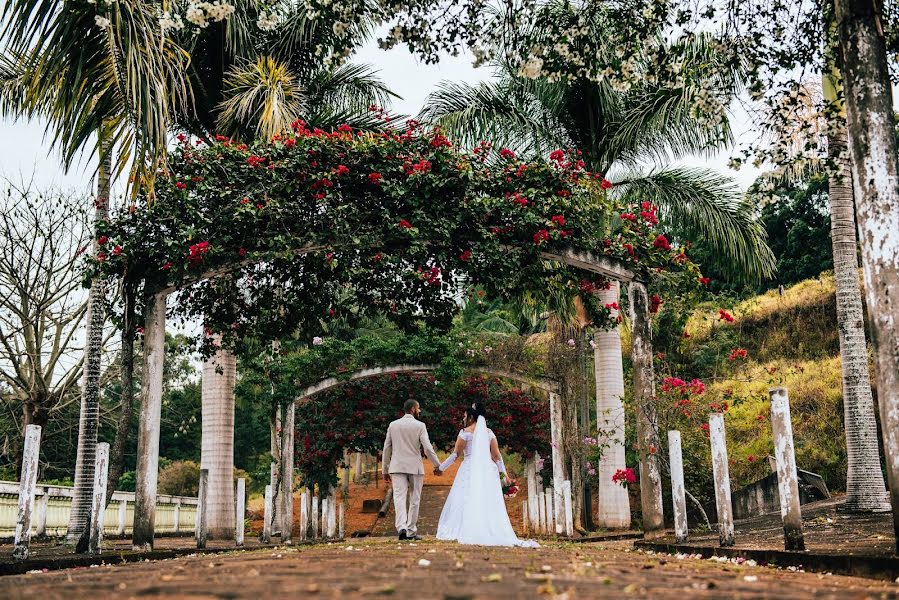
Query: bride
(475, 512)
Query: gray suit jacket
(402, 447)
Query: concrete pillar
(240, 511)
(148, 427)
(567, 511)
(287, 435)
(787, 478)
(177, 515)
(42, 505)
(98, 504)
(267, 516)
(614, 506)
(644, 396)
(304, 515)
(217, 440)
(341, 532)
(357, 467)
(678, 492)
(202, 532)
(27, 484)
(525, 524)
(550, 513)
(332, 513)
(123, 514)
(722, 480)
(558, 456)
(530, 470)
(316, 523)
(541, 511)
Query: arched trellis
(540, 232)
(642, 357)
(548, 386)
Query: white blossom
(102, 22)
(196, 15)
(533, 67)
(171, 21)
(267, 21)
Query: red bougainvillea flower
(377, 257)
(166, 266)
(506, 153)
(102, 256)
(102, 240)
(196, 252)
(750, 458)
(465, 256)
(655, 302)
(117, 250)
(557, 155)
(737, 353)
(255, 161)
(541, 236)
(723, 315)
(404, 224)
(341, 170)
(606, 184)
(629, 248)
(241, 252)
(704, 280)
(375, 178)
(624, 476)
(662, 242)
(180, 185)
(628, 217)
(686, 334)
(612, 306)
(441, 141)
(558, 220)
(345, 129)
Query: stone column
(644, 395)
(287, 434)
(202, 508)
(787, 478)
(98, 506)
(678, 495)
(531, 473)
(721, 472)
(148, 428)
(240, 511)
(217, 440)
(614, 502)
(558, 456)
(27, 484)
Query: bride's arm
(459, 449)
(497, 457)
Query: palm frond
(503, 113)
(352, 87)
(261, 96)
(701, 204)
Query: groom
(406, 437)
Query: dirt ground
(379, 567)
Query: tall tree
(875, 173)
(865, 488)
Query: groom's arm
(426, 444)
(385, 456)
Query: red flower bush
(558, 220)
(506, 153)
(737, 353)
(624, 476)
(404, 224)
(197, 252)
(723, 315)
(662, 243)
(541, 236)
(375, 178)
(655, 302)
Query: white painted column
(148, 428)
(267, 516)
(357, 467)
(568, 510)
(98, 503)
(550, 513)
(541, 511)
(177, 515)
(27, 484)
(721, 472)
(202, 506)
(123, 515)
(614, 505)
(341, 508)
(525, 524)
(787, 477)
(556, 428)
(304, 515)
(287, 435)
(316, 523)
(678, 491)
(531, 474)
(332, 514)
(42, 505)
(240, 511)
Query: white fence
(53, 503)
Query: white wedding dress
(475, 511)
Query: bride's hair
(475, 410)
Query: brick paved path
(375, 568)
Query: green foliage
(180, 478)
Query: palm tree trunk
(613, 500)
(217, 446)
(865, 489)
(123, 429)
(875, 172)
(89, 419)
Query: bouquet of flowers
(510, 488)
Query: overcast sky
(24, 151)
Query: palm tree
(115, 81)
(629, 135)
(865, 488)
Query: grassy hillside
(790, 340)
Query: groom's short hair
(409, 404)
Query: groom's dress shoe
(414, 537)
(403, 535)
